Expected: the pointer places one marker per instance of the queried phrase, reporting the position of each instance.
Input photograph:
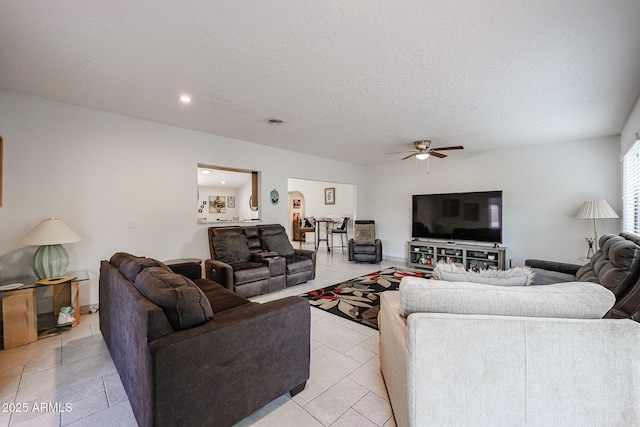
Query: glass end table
(20, 319)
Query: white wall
(96, 170)
(628, 134)
(345, 204)
(543, 188)
(345, 200)
(242, 203)
(205, 192)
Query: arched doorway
(297, 211)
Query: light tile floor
(345, 387)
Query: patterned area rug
(359, 299)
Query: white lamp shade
(593, 209)
(50, 231)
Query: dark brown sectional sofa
(193, 353)
(257, 259)
(616, 266)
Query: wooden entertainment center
(425, 253)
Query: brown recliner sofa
(193, 353)
(256, 259)
(616, 266)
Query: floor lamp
(596, 209)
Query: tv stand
(425, 254)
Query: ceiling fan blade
(410, 155)
(402, 152)
(438, 155)
(457, 147)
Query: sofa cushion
(253, 238)
(220, 298)
(131, 267)
(364, 234)
(118, 257)
(278, 243)
(452, 272)
(245, 272)
(545, 277)
(365, 249)
(297, 263)
(231, 249)
(184, 304)
(582, 300)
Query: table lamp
(50, 259)
(594, 209)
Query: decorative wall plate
(274, 196)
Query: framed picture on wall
(231, 201)
(296, 204)
(330, 196)
(217, 204)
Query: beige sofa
(526, 355)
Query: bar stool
(308, 226)
(342, 231)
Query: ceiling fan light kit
(423, 150)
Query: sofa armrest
(261, 256)
(306, 252)
(219, 272)
(549, 272)
(254, 354)
(559, 267)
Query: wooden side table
(20, 319)
(188, 267)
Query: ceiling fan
(423, 150)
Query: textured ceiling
(351, 79)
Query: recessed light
(221, 182)
(275, 122)
(185, 99)
(205, 171)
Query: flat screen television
(475, 216)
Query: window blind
(631, 189)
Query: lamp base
(50, 261)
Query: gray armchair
(364, 247)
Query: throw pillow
(579, 300)
(364, 234)
(278, 243)
(231, 249)
(452, 272)
(131, 267)
(184, 304)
